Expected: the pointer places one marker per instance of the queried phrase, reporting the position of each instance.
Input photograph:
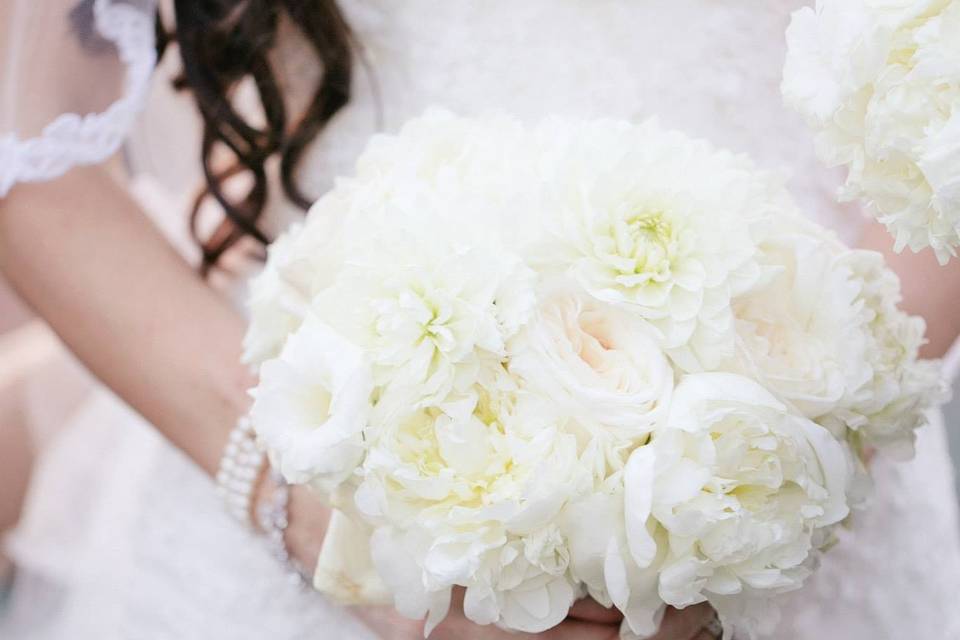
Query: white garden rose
(804, 334)
(741, 487)
(596, 362)
(658, 224)
(879, 83)
(312, 404)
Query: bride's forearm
(929, 290)
(81, 253)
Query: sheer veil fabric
(123, 538)
(105, 46)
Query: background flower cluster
(879, 83)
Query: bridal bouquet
(583, 358)
(879, 82)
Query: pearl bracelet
(273, 518)
(240, 466)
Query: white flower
(481, 497)
(894, 403)
(487, 350)
(803, 335)
(276, 308)
(300, 263)
(434, 314)
(312, 404)
(596, 362)
(826, 336)
(741, 488)
(596, 534)
(656, 223)
(879, 83)
(524, 586)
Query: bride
(124, 535)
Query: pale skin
(83, 256)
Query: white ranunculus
(658, 224)
(312, 404)
(741, 487)
(804, 334)
(879, 83)
(596, 362)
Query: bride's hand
(387, 624)
(309, 518)
(687, 624)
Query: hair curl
(224, 42)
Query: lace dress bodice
(711, 68)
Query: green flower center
(648, 240)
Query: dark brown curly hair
(224, 42)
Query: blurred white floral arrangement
(582, 358)
(879, 83)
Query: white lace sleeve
(58, 65)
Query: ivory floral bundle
(577, 359)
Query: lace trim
(74, 140)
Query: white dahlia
(656, 223)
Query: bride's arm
(929, 290)
(80, 252)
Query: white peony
(879, 82)
(469, 498)
(312, 404)
(656, 223)
(894, 403)
(741, 489)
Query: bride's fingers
(457, 627)
(590, 610)
(578, 630)
(684, 624)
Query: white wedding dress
(124, 538)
